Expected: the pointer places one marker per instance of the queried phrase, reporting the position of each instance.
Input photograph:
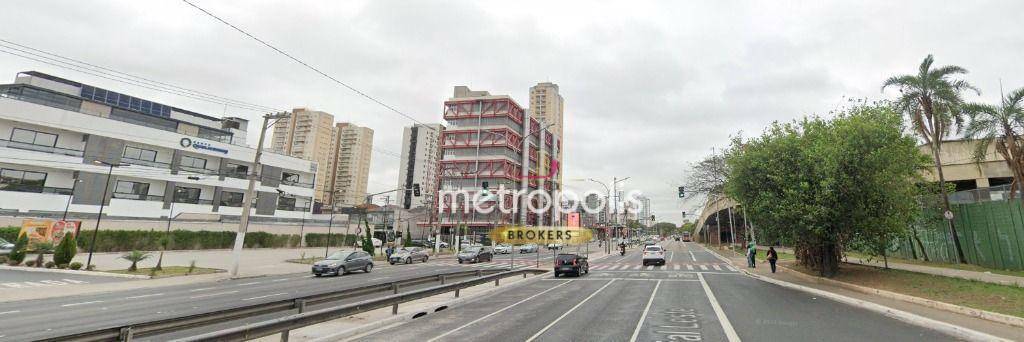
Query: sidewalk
(791, 276)
(894, 263)
(264, 261)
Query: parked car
(503, 249)
(475, 254)
(554, 246)
(408, 255)
(342, 262)
(528, 248)
(6, 247)
(430, 244)
(654, 254)
(571, 264)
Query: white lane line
(144, 296)
(716, 267)
(731, 268)
(649, 268)
(643, 316)
(212, 294)
(703, 268)
(675, 267)
(689, 267)
(252, 283)
(202, 289)
(82, 303)
(730, 333)
(670, 254)
(694, 258)
(270, 295)
(10, 312)
(568, 312)
(497, 312)
(284, 279)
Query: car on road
(342, 262)
(554, 246)
(654, 254)
(571, 264)
(503, 249)
(528, 248)
(6, 247)
(650, 243)
(475, 254)
(408, 255)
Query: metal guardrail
(285, 324)
(156, 327)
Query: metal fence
(995, 193)
(991, 234)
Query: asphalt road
(17, 279)
(694, 297)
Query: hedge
(148, 240)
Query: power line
(307, 65)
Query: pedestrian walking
(772, 257)
(751, 254)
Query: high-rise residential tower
(349, 169)
(307, 134)
(548, 106)
(421, 152)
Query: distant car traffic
(6, 247)
(342, 262)
(475, 254)
(503, 249)
(571, 264)
(409, 254)
(654, 254)
(554, 246)
(528, 248)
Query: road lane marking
(144, 296)
(568, 312)
(731, 268)
(252, 283)
(675, 267)
(643, 316)
(270, 295)
(649, 268)
(281, 279)
(10, 312)
(692, 256)
(202, 289)
(689, 267)
(82, 303)
(730, 333)
(212, 294)
(703, 268)
(497, 312)
(670, 254)
(716, 267)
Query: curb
(901, 315)
(78, 272)
(363, 330)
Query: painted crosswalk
(711, 267)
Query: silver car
(503, 249)
(6, 247)
(409, 254)
(342, 262)
(528, 248)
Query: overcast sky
(650, 87)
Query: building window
(139, 153)
(33, 137)
(286, 203)
(231, 199)
(289, 178)
(236, 170)
(186, 195)
(25, 181)
(193, 162)
(131, 190)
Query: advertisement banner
(48, 230)
(574, 219)
(540, 235)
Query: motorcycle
(622, 250)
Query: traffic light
(484, 184)
(416, 189)
(652, 218)
(682, 192)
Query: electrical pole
(243, 223)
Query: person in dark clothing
(772, 257)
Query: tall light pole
(103, 201)
(243, 223)
(68, 205)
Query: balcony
(297, 183)
(41, 148)
(199, 170)
(149, 163)
(138, 197)
(34, 188)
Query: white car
(503, 249)
(528, 248)
(554, 246)
(654, 254)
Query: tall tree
(1003, 126)
(932, 99)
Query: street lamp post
(103, 201)
(243, 223)
(68, 205)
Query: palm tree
(1002, 125)
(932, 100)
(135, 257)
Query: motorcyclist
(622, 248)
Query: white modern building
(61, 141)
(421, 152)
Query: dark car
(571, 264)
(476, 254)
(409, 254)
(342, 262)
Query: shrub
(135, 257)
(42, 248)
(30, 263)
(62, 266)
(50, 264)
(20, 246)
(75, 265)
(66, 250)
(3, 259)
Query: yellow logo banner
(541, 235)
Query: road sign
(948, 215)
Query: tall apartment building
(421, 152)
(307, 134)
(350, 166)
(548, 106)
(67, 147)
(484, 144)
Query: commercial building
(483, 150)
(70, 146)
(421, 153)
(307, 134)
(975, 180)
(350, 165)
